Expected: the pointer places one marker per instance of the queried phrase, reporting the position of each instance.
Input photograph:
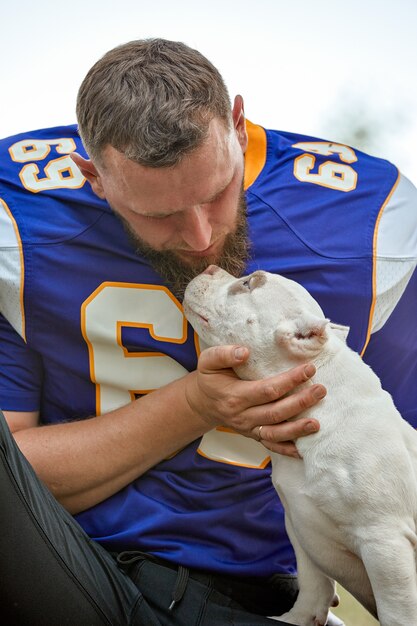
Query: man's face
(178, 273)
(184, 217)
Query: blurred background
(344, 71)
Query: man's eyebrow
(209, 201)
(218, 193)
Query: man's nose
(196, 229)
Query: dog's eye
(248, 283)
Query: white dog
(351, 500)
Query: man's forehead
(198, 178)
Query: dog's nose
(211, 269)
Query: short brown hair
(152, 100)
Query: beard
(177, 273)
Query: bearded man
(142, 491)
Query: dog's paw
(294, 617)
(327, 619)
(333, 620)
(289, 619)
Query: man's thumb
(222, 357)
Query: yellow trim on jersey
(22, 266)
(374, 261)
(261, 465)
(255, 155)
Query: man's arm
(86, 461)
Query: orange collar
(255, 155)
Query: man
(96, 252)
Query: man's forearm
(86, 461)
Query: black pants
(52, 573)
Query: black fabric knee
(51, 572)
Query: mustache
(177, 273)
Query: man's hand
(258, 409)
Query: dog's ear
(303, 337)
(340, 331)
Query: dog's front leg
(317, 592)
(390, 561)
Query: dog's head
(276, 318)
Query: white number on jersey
(339, 176)
(119, 375)
(58, 173)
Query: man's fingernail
(319, 393)
(309, 370)
(240, 353)
(311, 427)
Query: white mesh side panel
(392, 279)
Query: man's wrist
(193, 399)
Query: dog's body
(351, 501)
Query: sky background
(317, 68)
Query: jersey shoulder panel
(397, 232)
(42, 187)
(328, 194)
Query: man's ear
(89, 171)
(238, 115)
(303, 337)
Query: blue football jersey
(88, 325)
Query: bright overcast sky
(296, 62)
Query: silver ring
(259, 433)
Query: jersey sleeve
(20, 372)
(20, 366)
(392, 349)
(396, 250)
